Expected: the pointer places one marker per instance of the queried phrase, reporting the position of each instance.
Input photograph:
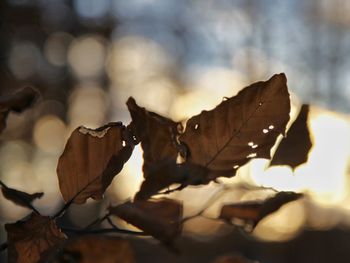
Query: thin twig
(103, 231)
(212, 199)
(68, 204)
(97, 221)
(111, 222)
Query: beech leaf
(294, 148)
(91, 249)
(90, 161)
(18, 197)
(160, 218)
(156, 133)
(30, 239)
(240, 128)
(17, 102)
(167, 172)
(254, 211)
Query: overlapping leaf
(18, 197)
(17, 102)
(294, 148)
(90, 161)
(252, 212)
(30, 239)
(91, 249)
(156, 133)
(240, 128)
(160, 218)
(166, 173)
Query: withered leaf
(254, 211)
(156, 133)
(294, 148)
(28, 240)
(167, 173)
(90, 161)
(240, 128)
(17, 102)
(91, 249)
(19, 197)
(160, 218)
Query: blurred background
(176, 57)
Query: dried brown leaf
(19, 197)
(90, 161)
(167, 173)
(28, 240)
(294, 148)
(91, 249)
(254, 211)
(156, 133)
(240, 128)
(17, 102)
(159, 218)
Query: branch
(103, 231)
(212, 199)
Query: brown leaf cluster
(30, 239)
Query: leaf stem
(68, 204)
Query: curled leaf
(294, 148)
(167, 173)
(91, 249)
(30, 239)
(90, 161)
(160, 218)
(18, 197)
(252, 211)
(240, 128)
(17, 102)
(156, 133)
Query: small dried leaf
(156, 133)
(17, 102)
(240, 128)
(91, 249)
(159, 218)
(294, 148)
(90, 161)
(28, 240)
(252, 212)
(18, 197)
(166, 173)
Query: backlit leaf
(160, 218)
(253, 211)
(294, 148)
(156, 133)
(90, 161)
(240, 128)
(28, 240)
